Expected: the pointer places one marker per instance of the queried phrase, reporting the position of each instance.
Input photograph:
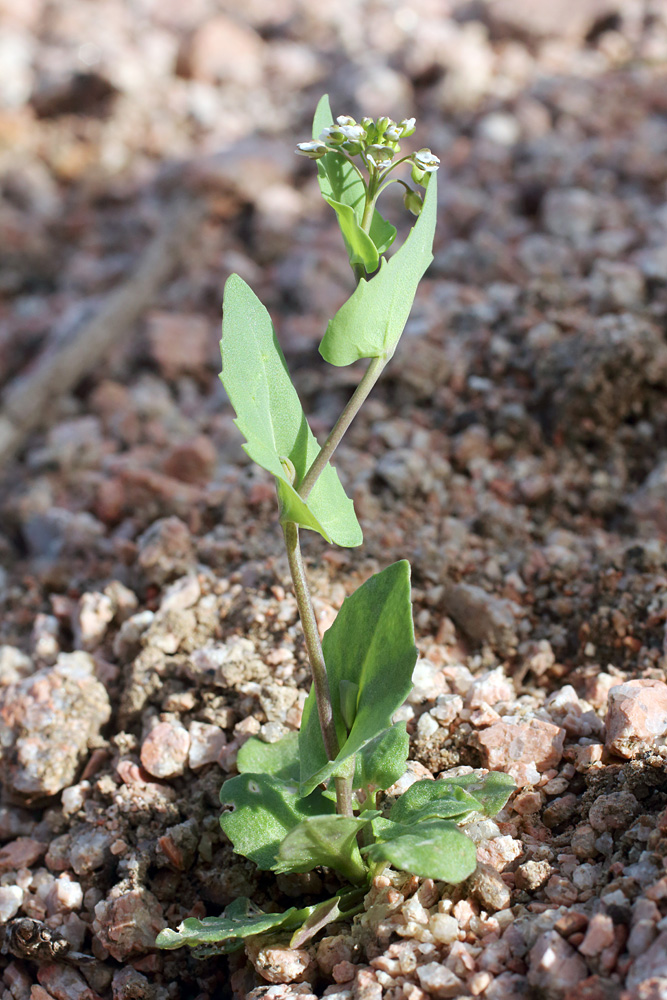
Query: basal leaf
(241, 919)
(370, 323)
(270, 416)
(265, 810)
(330, 841)
(343, 189)
(382, 761)
(344, 904)
(433, 800)
(371, 643)
(436, 849)
(280, 759)
(490, 790)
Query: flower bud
(313, 150)
(382, 124)
(354, 133)
(332, 134)
(380, 154)
(412, 201)
(407, 127)
(345, 120)
(367, 122)
(425, 160)
(392, 134)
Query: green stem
(355, 403)
(317, 664)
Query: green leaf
(491, 790)
(330, 841)
(433, 800)
(241, 919)
(370, 323)
(280, 759)
(371, 643)
(269, 414)
(436, 849)
(344, 904)
(382, 761)
(265, 810)
(343, 189)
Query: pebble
(485, 618)
(164, 751)
(65, 894)
(64, 982)
(89, 849)
(643, 931)
(20, 853)
(571, 213)
(166, 550)
(279, 964)
(192, 461)
(127, 922)
(615, 811)
(522, 749)
(94, 614)
(222, 50)
(533, 875)
(489, 688)
(14, 665)
(438, 981)
(11, 897)
(51, 717)
(599, 935)
(488, 887)
(651, 964)
(636, 717)
(181, 594)
(444, 928)
(554, 965)
(206, 744)
(178, 342)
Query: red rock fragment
(128, 922)
(522, 749)
(164, 752)
(636, 717)
(192, 461)
(21, 853)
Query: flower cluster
(376, 142)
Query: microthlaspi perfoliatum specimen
(311, 799)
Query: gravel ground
(515, 452)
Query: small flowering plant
(313, 798)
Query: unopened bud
(407, 127)
(313, 150)
(382, 124)
(332, 134)
(345, 120)
(412, 201)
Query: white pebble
(11, 897)
(426, 726)
(445, 929)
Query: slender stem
(312, 637)
(344, 804)
(355, 403)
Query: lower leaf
(241, 919)
(330, 841)
(435, 850)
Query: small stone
(554, 965)
(65, 894)
(643, 931)
(20, 853)
(94, 614)
(164, 752)
(439, 981)
(279, 964)
(444, 928)
(485, 618)
(522, 748)
(222, 50)
(64, 982)
(11, 897)
(206, 743)
(600, 935)
(616, 285)
(192, 461)
(487, 886)
(489, 689)
(560, 810)
(532, 875)
(166, 550)
(331, 951)
(615, 811)
(636, 717)
(178, 342)
(89, 849)
(571, 213)
(127, 922)
(651, 964)
(499, 852)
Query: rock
(651, 964)
(554, 966)
(572, 19)
(21, 853)
(532, 875)
(522, 749)
(56, 533)
(89, 849)
(280, 964)
(439, 981)
(643, 931)
(444, 928)
(127, 922)
(489, 688)
(179, 342)
(488, 887)
(65, 894)
(94, 613)
(50, 718)
(615, 811)
(571, 213)
(192, 461)
(599, 935)
(11, 897)
(166, 550)
(223, 50)
(560, 810)
(483, 617)
(14, 665)
(616, 285)
(64, 982)
(206, 742)
(636, 717)
(164, 752)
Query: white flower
(332, 133)
(425, 160)
(313, 150)
(353, 133)
(407, 126)
(345, 120)
(393, 133)
(377, 154)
